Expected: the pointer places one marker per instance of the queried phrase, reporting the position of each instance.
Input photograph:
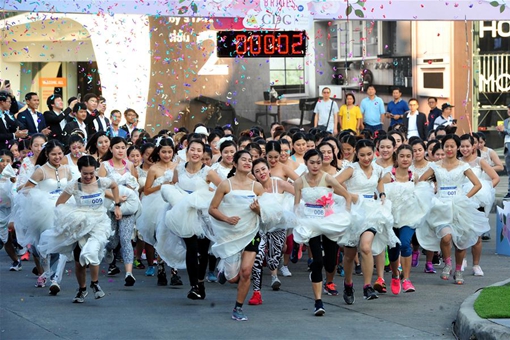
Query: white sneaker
(54, 288)
(477, 271)
(285, 271)
(275, 283)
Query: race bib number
(56, 193)
(314, 211)
(93, 200)
(370, 197)
(447, 192)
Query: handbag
(325, 127)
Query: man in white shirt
(414, 121)
(326, 112)
(30, 119)
(8, 127)
(80, 110)
(101, 123)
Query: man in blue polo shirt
(372, 108)
(396, 108)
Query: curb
(469, 325)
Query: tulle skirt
(367, 214)
(147, 223)
(411, 204)
(485, 197)
(131, 206)
(457, 216)
(33, 213)
(77, 224)
(333, 226)
(5, 215)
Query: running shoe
(222, 278)
(194, 293)
(447, 270)
(109, 256)
(175, 280)
(80, 296)
(407, 286)
(238, 315)
(297, 253)
(151, 271)
(369, 293)
(415, 258)
(54, 288)
(395, 285)
(129, 280)
(41, 281)
(330, 289)
(436, 259)
(98, 292)
(256, 298)
(429, 268)
(162, 280)
(21, 251)
(309, 263)
(319, 309)
(380, 285)
(349, 294)
(477, 270)
(138, 264)
(486, 236)
(275, 283)
(16, 266)
(113, 270)
(201, 290)
(357, 269)
(285, 271)
(25, 257)
(458, 278)
(211, 277)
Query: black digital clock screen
(261, 44)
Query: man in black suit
(91, 101)
(80, 111)
(9, 128)
(68, 112)
(101, 123)
(55, 117)
(414, 121)
(30, 119)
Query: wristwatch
(117, 204)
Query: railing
(494, 73)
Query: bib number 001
(448, 191)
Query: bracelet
(381, 194)
(117, 204)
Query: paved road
(152, 312)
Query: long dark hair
(334, 161)
(87, 160)
(48, 147)
(363, 143)
(258, 161)
(237, 156)
(114, 141)
(92, 143)
(400, 148)
(154, 157)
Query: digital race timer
(261, 44)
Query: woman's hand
(122, 199)
(232, 220)
(118, 213)
(255, 207)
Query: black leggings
(328, 261)
(196, 268)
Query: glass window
(287, 75)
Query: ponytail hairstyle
(74, 138)
(114, 141)
(337, 143)
(436, 147)
(471, 139)
(47, 148)
(297, 136)
(312, 152)
(237, 156)
(363, 143)
(254, 146)
(87, 160)
(226, 142)
(5, 152)
(160, 143)
(349, 139)
(146, 146)
(273, 145)
(133, 148)
(191, 141)
(456, 139)
(334, 161)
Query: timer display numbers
(261, 44)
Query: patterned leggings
(275, 241)
(123, 232)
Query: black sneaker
(35, 271)
(294, 255)
(129, 280)
(98, 292)
(369, 293)
(194, 293)
(201, 290)
(357, 269)
(16, 266)
(349, 294)
(113, 270)
(436, 260)
(486, 236)
(80, 296)
(175, 280)
(162, 280)
(507, 196)
(319, 309)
